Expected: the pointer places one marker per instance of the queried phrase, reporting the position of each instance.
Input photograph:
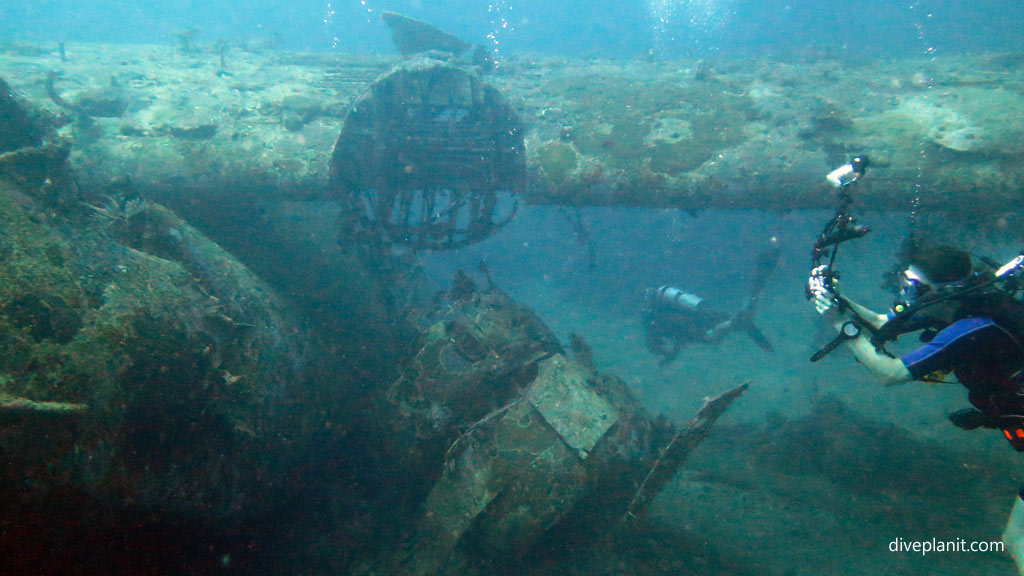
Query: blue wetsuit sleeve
(952, 346)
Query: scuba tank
(669, 297)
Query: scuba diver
(971, 320)
(971, 325)
(673, 318)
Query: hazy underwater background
(814, 471)
(604, 29)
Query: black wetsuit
(668, 328)
(984, 351)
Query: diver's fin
(764, 265)
(1013, 536)
(744, 322)
(758, 337)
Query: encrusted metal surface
(567, 402)
(423, 155)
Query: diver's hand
(716, 332)
(820, 290)
(818, 281)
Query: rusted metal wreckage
(424, 155)
(540, 444)
(526, 443)
(520, 441)
(754, 133)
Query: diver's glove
(716, 332)
(820, 288)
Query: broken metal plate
(562, 395)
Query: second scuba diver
(673, 318)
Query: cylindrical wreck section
(143, 366)
(423, 157)
(763, 134)
(748, 133)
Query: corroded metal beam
(754, 133)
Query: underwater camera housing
(848, 173)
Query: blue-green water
(606, 28)
(815, 470)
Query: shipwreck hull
(694, 135)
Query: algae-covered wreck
(748, 133)
(169, 357)
(147, 372)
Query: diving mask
(913, 285)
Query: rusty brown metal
(424, 154)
